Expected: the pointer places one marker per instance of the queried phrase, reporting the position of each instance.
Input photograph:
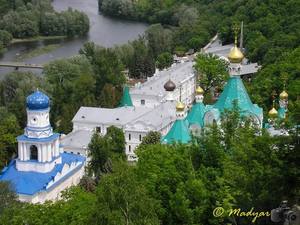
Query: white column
(26, 149)
(24, 153)
(57, 148)
(20, 151)
(44, 153)
(39, 153)
(49, 151)
(52, 152)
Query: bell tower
(38, 147)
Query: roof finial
(235, 55)
(235, 31)
(284, 95)
(180, 92)
(273, 112)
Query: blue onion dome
(37, 100)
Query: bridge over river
(18, 65)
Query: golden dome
(180, 106)
(199, 91)
(273, 113)
(235, 55)
(283, 95)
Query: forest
(25, 19)
(271, 38)
(177, 184)
(229, 166)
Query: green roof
(178, 133)
(126, 99)
(196, 115)
(235, 90)
(281, 113)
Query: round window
(34, 120)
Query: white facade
(153, 110)
(53, 194)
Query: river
(104, 31)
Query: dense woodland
(30, 18)
(229, 166)
(178, 184)
(271, 38)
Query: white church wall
(42, 167)
(149, 101)
(55, 193)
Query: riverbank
(37, 52)
(37, 38)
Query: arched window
(214, 122)
(33, 152)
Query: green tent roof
(179, 133)
(196, 115)
(235, 90)
(126, 99)
(281, 113)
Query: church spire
(179, 132)
(235, 55)
(273, 113)
(283, 99)
(126, 98)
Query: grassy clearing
(37, 38)
(37, 52)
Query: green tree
(121, 199)
(99, 156)
(152, 138)
(7, 196)
(165, 171)
(159, 39)
(110, 96)
(71, 85)
(116, 138)
(88, 183)
(9, 130)
(19, 24)
(53, 23)
(164, 60)
(142, 64)
(75, 207)
(212, 71)
(77, 23)
(5, 37)
(107, 69)
(14, 89)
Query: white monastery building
(150, 107)
(169, 102)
